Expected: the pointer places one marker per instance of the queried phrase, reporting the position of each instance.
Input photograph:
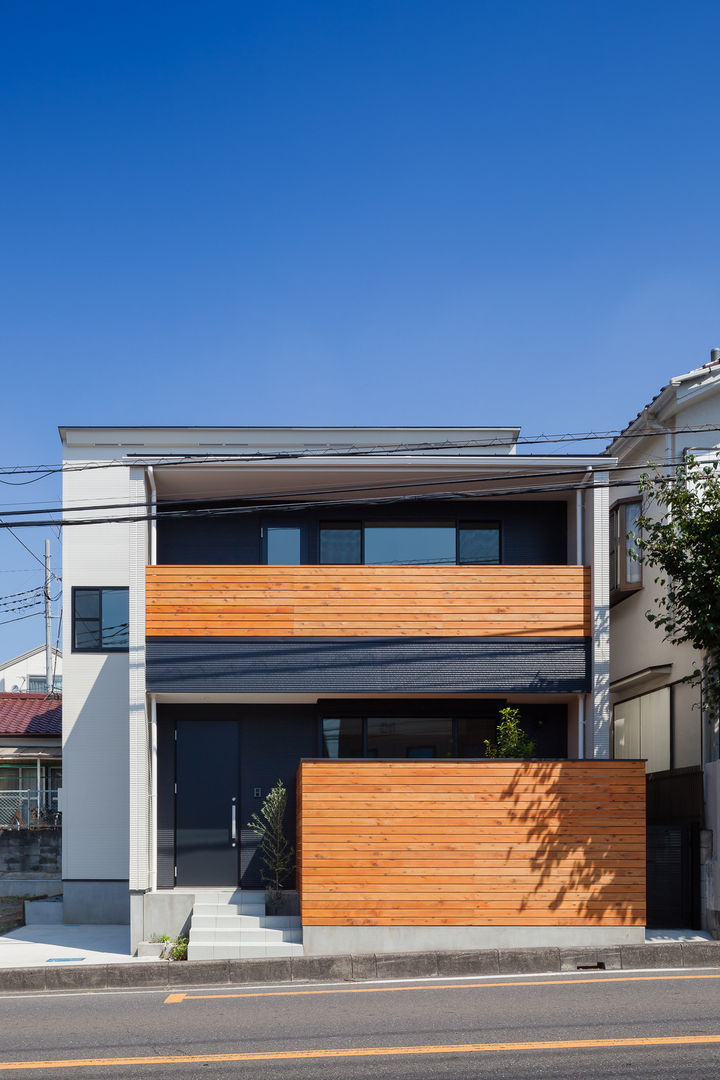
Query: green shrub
(510, 740)
(277, 856)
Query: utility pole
(48, 623)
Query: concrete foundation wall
(96, 902)
(166, 913)
(333, 940)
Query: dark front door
(207, 802)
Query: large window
(410, 543)
(625, 570)
(406, 736)
(100, 620)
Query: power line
(324, 504)
(264, 505)
(227, 505)
(25, 592)
(4, 525)
(20, 618)
(351, 450)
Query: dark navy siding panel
(533, 533)
(389, 665)
(165, 803)
(232, 540)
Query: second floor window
(410, 543)
(625, 570)
(100, 620)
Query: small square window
(101, 620)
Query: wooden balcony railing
(366, 601)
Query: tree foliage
(510, 740)
(683, 543)
(278, 857)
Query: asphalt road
(629, 1024)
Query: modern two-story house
(350, 607)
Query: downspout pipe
(153, 515)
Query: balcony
(368, 601)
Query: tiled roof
(696, 373)
(30, 714)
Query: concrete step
(232, 924)
(245, 921)
(239, 922)
(229, 896)
(229, 909)
(225, 951)
(202, 936)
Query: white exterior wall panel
(95, 697)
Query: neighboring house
(27, 672)
(656, 715)
(370, 597)
(30, 758)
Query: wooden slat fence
(539, 843)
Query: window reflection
(478, 544)
(411, 544)
(403, 737)
(341, 543)
(283, 545)
(342, 738)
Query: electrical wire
(324, 504)
(25, 592)
(261, 502)
(20, 618)
(4, 525)
(350, 450)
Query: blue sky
(348, 212)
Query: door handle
(233, 822)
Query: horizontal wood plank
(361, 601)
(472, 843)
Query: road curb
(170, 975)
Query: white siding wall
(597, 718)
(95, 698)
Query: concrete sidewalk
(56, 943)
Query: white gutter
(581, 726)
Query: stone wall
(30, 862)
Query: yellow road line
(365, 1051)
(176, 998)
